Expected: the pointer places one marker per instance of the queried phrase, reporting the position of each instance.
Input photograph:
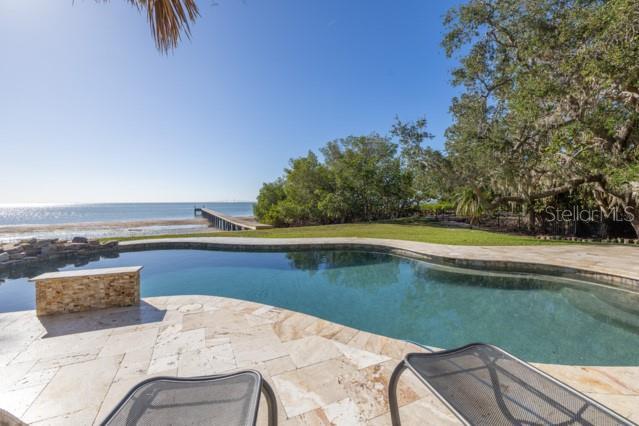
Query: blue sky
(91, 112)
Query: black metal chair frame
(264, 386)
(405, 364)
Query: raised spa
(538, 318)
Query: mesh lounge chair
(484, 385)
(225, 400)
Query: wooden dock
(230, 223)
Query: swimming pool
(540, 319)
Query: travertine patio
(73, 368)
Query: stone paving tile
(316, 417)
(175, 343)
(7, 357)
(345, 335)
(378, 344)
(626, 405)
(608, 380)
(9, 318)
(292, 326)
(322, 373)
(216, 340)
(418, 413)
(204, 361)
(18, 401)
(80, 417)
(280, 365)
(14, 343)
(121, 343)
(311, 350)
(217, 322)
(173, 317)
(67, 345)
(190, 308)
(323, 328)
(311, 387)
(170, 329)
(369, 389)
(255, 320)
(344, 412)
(67, 359)
(257, 344)
(169, 362)
(265, 311)
(12, 374)
(87, 382)
(34, 378)
(135, 363)
(360, 358)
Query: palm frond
(471, 204)
(168, 19)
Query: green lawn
(411, 232)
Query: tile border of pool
(593, 264)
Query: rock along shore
(24, 253)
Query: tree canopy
(549, 108)
(550, 103)
(360, 178)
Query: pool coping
(573, 263)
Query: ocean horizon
(53, 214)
(99, 220)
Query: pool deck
(612, 264)
(73, 368)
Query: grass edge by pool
(394, 231)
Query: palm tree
(169, 19)
(471, 203)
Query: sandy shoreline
(105, 229)
(19, 229)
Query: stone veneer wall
(75, 292)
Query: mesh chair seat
(484, 385)
(231, 399)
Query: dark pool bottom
(539, 319)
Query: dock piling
(230, 223)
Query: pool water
(537, 318)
